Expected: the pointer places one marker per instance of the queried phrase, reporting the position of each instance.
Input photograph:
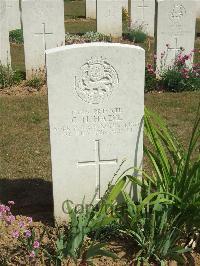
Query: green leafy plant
(169, 203)
(37, 79)
(176, 170)
(74, 244)
(151, 82)
(136, 35)
(150, 225)
(16, 36)
(9, 77)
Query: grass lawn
(74, 9)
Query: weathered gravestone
(43, 28)
(109, 17)
(198, 8)
(96, 102)
(91, 9)
(142, 15)
(4, 35)
(14, 20)
(175, 29)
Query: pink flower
(30, 220)
(32, 254)
(11, 202)
(27, 233)
(21, 224)
(2, 208)
(7, 209)
(10, 219)
(36, 244)
(15, 234)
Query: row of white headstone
(141, 13)
(43, 26)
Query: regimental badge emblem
(96, 81)
(177, 13)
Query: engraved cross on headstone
(143, 6)
(44, 33)
(97, 163)
(176, 49)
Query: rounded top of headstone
(95, 44)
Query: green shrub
(182, 75)
(16, 36)
(136, 35)
(169, 204)
(37, 79)
(176, 170)
(9, 77)
(35, 82)
(151, 82)
(149, 223)
(179, 76)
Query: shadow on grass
(32, 197)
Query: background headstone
(4, 35)
(109, 17)
(198, 8)
(43, 28)
(14, 20)
(175, 29)
(96, 105)
(91, 9)
(142, 13)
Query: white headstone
(4, 35)
(14, 20)
(43, 28)
(175, 29)
(91, 9)
(96, 105)
(142, 14)
(198, 8)
(109, 17)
